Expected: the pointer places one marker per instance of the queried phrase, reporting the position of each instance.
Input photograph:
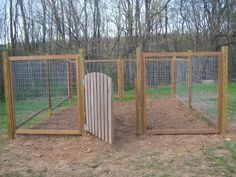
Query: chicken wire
(40, 91)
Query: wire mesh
(158, 77)
(129, 78)
(108, 68)
(182, 72)
(40, 90)
(205, 85)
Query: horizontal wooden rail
(43, 57)
(182, 131)
(181, 54)
(47, 132)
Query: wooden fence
(222, 79)
(140, 87)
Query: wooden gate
(98, 102)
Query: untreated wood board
(99, 106)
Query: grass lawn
(27, 107)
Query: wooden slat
(106, 110)
(103, 107)
(99, 103)
(92, 103)
(44, 57)
(47, 132)
(110, 120)
(87, 110)
(182, 131)
(181, 54)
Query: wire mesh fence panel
(108, 68)
(158, 77)
(205, 85)
(182, 90)
(129, 78)
(40, 89)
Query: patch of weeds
(149, 164)
(222, 158)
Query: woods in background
(109, 28)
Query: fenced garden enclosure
(48, 95)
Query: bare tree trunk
(26, 33)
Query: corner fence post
(140, 93)
(190, 79)
(223, 91)
(8, 96)
(173, 75)
(80, 89)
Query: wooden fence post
(120, 77)
(80, 89)
(69, 80)
(173, 75)
(190, 81)
(141, 122)
(49, 88)
(9, 96)
(223, 87)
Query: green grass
(222, 158)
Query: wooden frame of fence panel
(47, 132)
(141, 122)
(222, 90)
(9, 96)
(183, 131)
(80, 89)
(190, 81)
(43, 57)
(173, 75)
(181, 54)
(120, 77)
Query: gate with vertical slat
(98, 102)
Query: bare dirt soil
(130, 155)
